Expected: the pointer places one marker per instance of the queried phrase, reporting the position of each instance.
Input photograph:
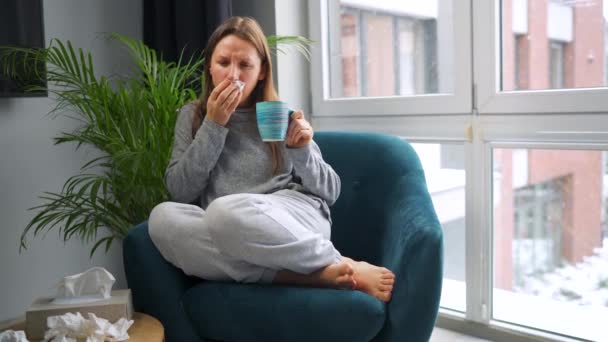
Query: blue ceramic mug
(273, 119)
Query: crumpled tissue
(13, 336)
(70, 327)
(91, 285)
(240, 84)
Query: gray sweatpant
(244, 237)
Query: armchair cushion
(239, 312)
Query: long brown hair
(248, 29)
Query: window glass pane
(550, 240)
(350, 43)
(554, 44)
(444, 170)
(390, 48)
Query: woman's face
(237, 59)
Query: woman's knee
(157, 224)
(227, 215)
(159, 213)
(172, 215)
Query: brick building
(555, 204)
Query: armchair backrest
(377, 172)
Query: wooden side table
(145, 329)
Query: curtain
(171, 26)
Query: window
(382, 51)
(520, 67)
(417, 58)
(513, 101)
(351, 41)
(574, 34)
(550, 242)
(385, 54)
(443, 165)
(537, 230)
(556, 65)
(605, 44)
(559, 46)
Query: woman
(265, 215)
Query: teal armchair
(384, 215)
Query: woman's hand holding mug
(300, 132)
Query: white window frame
(458, 102)
(491, 100)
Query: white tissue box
(118, 306)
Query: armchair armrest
(385, 216)
(414, 251)
(156, 285)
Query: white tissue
(70, 327)
(91, 285)
(13, 336)
(239, 84)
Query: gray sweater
(224, 160)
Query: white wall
(31, 164)
(293, 69)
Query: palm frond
(282, 44)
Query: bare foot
(339, 276)
(373, 280)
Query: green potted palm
(128, 119)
